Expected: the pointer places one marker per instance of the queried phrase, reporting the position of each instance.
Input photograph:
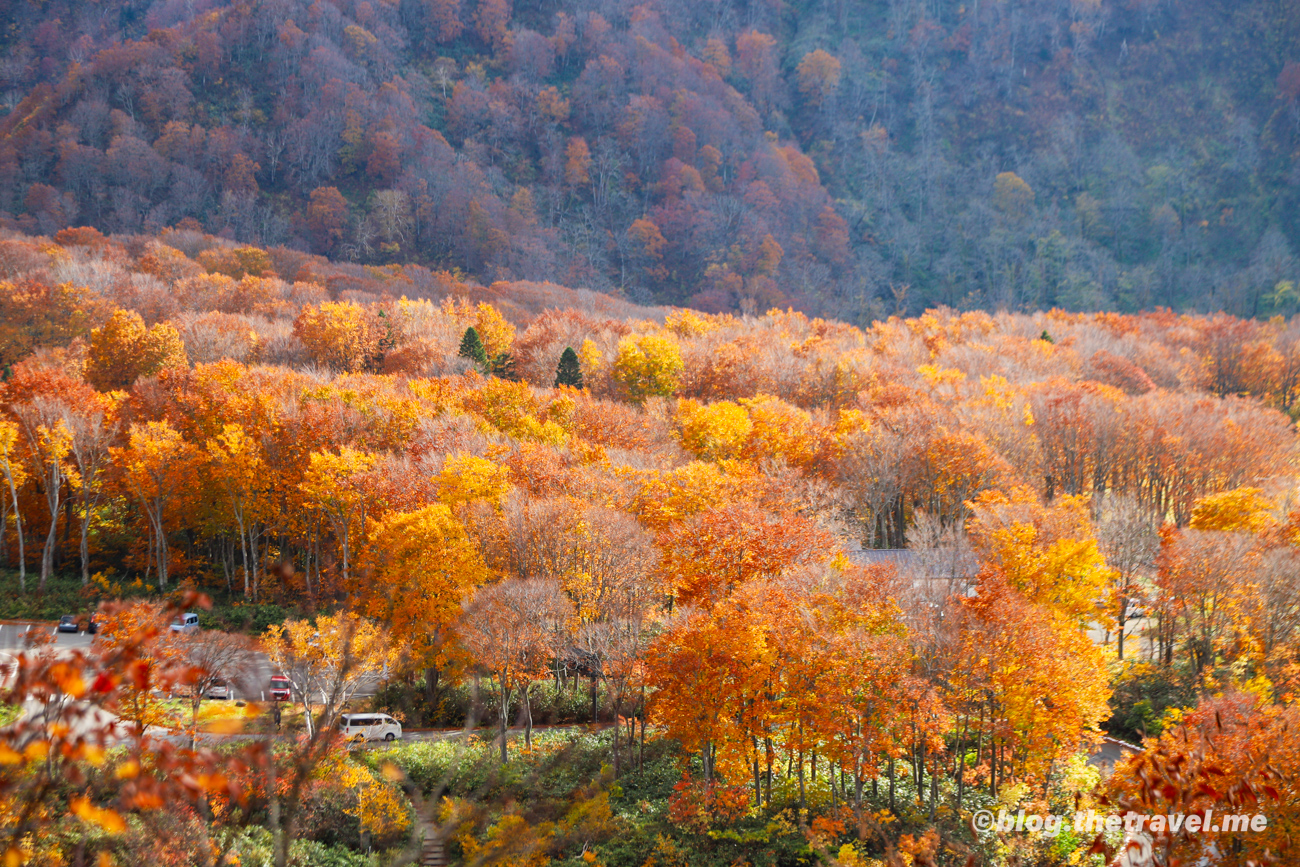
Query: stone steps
(432, 851)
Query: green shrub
(254, 848)
(252, 618)
(63, 594)
(1142, 692)
(453, 704)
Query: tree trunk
(47, 552)
(505, 705)
(528, 721)
(17, 525)
(934, 787)
(919, 775)
(891, 784)
(306, 714)
(961, 763)
(771, 757)
(802, 794)
(194, 719)
(243, 552)
(616, 731)
(430, 684)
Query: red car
(279, 687)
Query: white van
(188, 622)
(369, 727)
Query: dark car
(68, 623)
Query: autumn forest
(523, 487)
(716, 434)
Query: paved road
(13, 636)
(1110, 753)
(1136, 644)
(254, 683)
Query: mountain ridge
(848, 160)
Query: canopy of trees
(681, 519)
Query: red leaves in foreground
(71, 701)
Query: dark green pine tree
(472, 348)
(569, 371)
(503, 367)
(1045, 337)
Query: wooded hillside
(850, 159)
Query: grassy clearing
(63, 594)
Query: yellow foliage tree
(663, 498)
(340, 335)
(236, 262)
(374, 801)
(418, 568)
(1238, 510)
(648, 365)
(782, 429)
(14, 477)
(156, 468)
(819, 75)
(1012, 196)
(237, 465)
(327, 661)
(123, 350)
(494, 331)
(1048, 553)
(334, 485)
(467, 478)
(712, 431)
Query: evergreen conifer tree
(569, 371)
(503, 366)
(472, 348)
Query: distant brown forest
(850, 159)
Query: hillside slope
(849, 159)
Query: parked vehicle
(279, 687)
(218, 689)
(68, 623)
(188, 622)
(369, 727)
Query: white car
(369, 727)
(218, 689)
(188, 622)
